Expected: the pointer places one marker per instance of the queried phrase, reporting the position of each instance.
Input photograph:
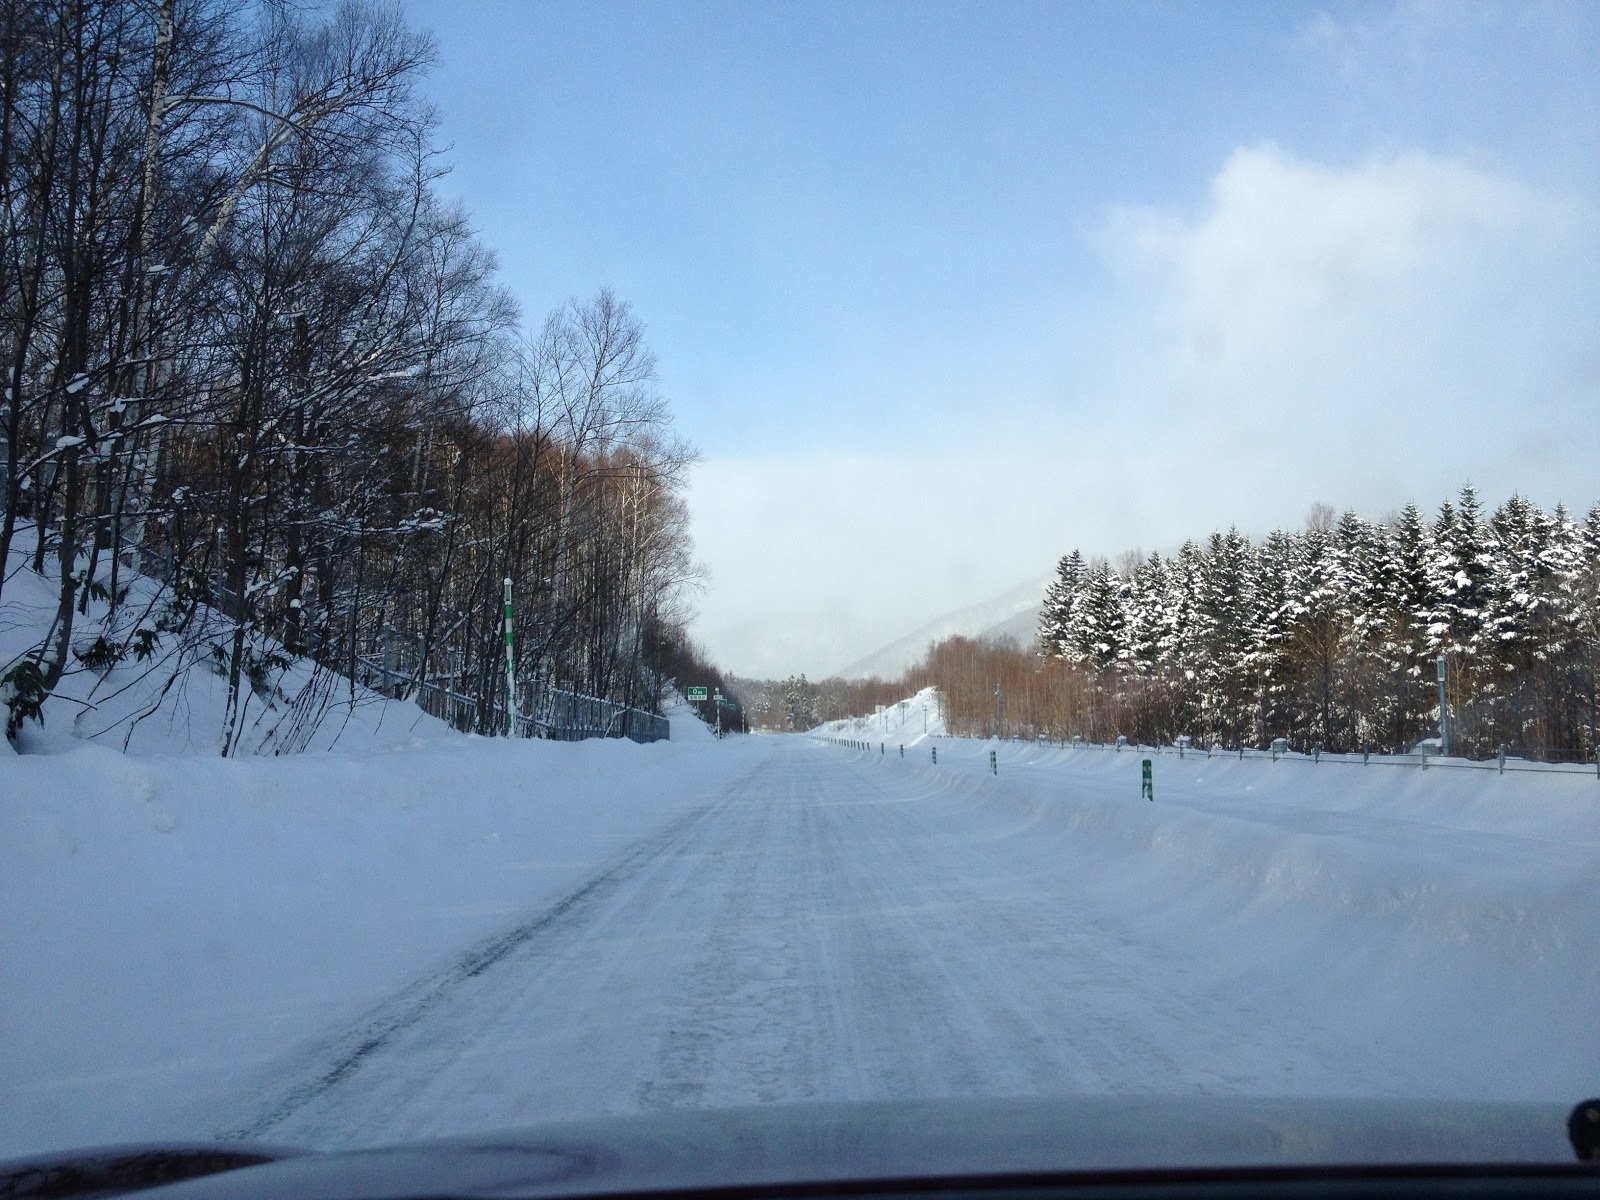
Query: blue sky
(942, 291)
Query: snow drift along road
(341, 950)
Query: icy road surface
(832, 925)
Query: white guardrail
(1502, 763)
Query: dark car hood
(798, 1144)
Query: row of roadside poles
(1146, 779)
(883, 750)
(1146, 782)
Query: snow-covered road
(837, 925)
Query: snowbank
(908, 723)
(1465, 895)
(175, 701)
(167, 922)
(1508, 862)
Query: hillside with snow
(1013, 614)
(167, 692)
(911, 722)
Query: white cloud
(1361, 334)
(1380, 47)
(816, 561)
(1355, 306)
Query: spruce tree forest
(1328, 637)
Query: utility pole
(511, 671)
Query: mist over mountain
(1014, 613)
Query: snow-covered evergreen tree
(1145, 599)
(1356, 571)
(1328, 636)
(1097, 632)
(1222, 636)
(1268, 618)
(1055, 616)
(1406, 576)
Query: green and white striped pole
(1444, 715)
(511, 673)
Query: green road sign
(697, 693)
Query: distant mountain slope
(1014, 613)
(1022, 625)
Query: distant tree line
(797, 704)
(243, 337)
(1327, 637)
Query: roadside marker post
(936, 756)
(511, 671)
(994, 768)
(1147, 790)
(1444, 715)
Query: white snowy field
(460, 935)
